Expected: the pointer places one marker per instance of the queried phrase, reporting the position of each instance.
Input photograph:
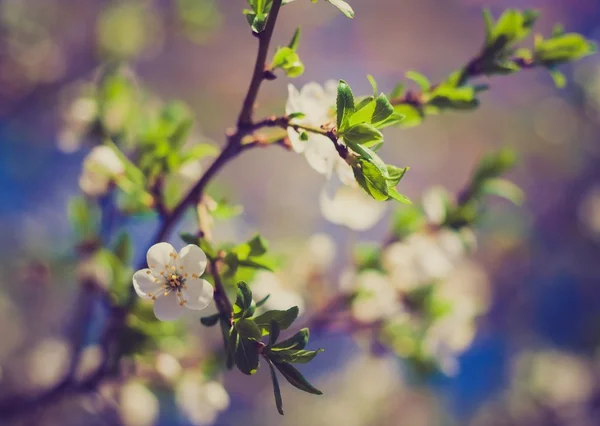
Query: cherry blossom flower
(173, 280)
(100, 168)
(342, 201)
(317, 103)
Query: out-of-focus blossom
(557, 378)
(435, 204)
(173, 280)
(48, 362)
(423, 257)
(343, 202)
(90, 360)
(321, 250)
(350, 395)
(376, 298)
(167, 366)
(199, 400)
(100, 168)
(79, 116)
(138, 405)
(268, 284)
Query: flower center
(175, 282)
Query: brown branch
(264, 39)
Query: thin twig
(264, 39)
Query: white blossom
(100, 168)
(173, 280)
(280, 298)
(317, 103)
(423, 257)
(199, 400)
(343, 202)
(376, 297)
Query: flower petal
(167, 308)
(351, 207)
(144, 283)
(298, 145)
(294, 102)
(192, 260)
(321, 154)
(198, 295)
(161, 257)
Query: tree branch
(264, 39)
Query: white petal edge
(192, 259)
(143, 283)
(160, 256)
(167, 308)
(321, 154)
(198, 295)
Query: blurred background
(534, 359)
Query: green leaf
(210, 320)
(372, 180)
(344, 105)
(459, 98)
(362, 134)
(225, 211)
(393, 193)
(395, 174)
(295, 40)
(123, 248)
(246, 356)
(494, 164)
(273, 332)
(232, 346)
(262, 301)
(198, 152)
(258, 245)
(84, 216)
(343, 7)
(244, 296)
(296, 379)
(247, 328)
(564, 48)
(296, 115)
(383, 109)
(503, 188)
(422, 81)
(412, 115)
(397, 91)
(283, 318)
(288, 60)
(373, 84)
(560, 80)
(295, 356)
(297, 341)
(263, 262)
(276, 390)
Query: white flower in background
(265, 284)
(447, 339)
(343, 202)
(138, 406)
(201, 401)
(100, 168)
(318, 105)
(376, 297)
(173, 281)
(423, 257)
